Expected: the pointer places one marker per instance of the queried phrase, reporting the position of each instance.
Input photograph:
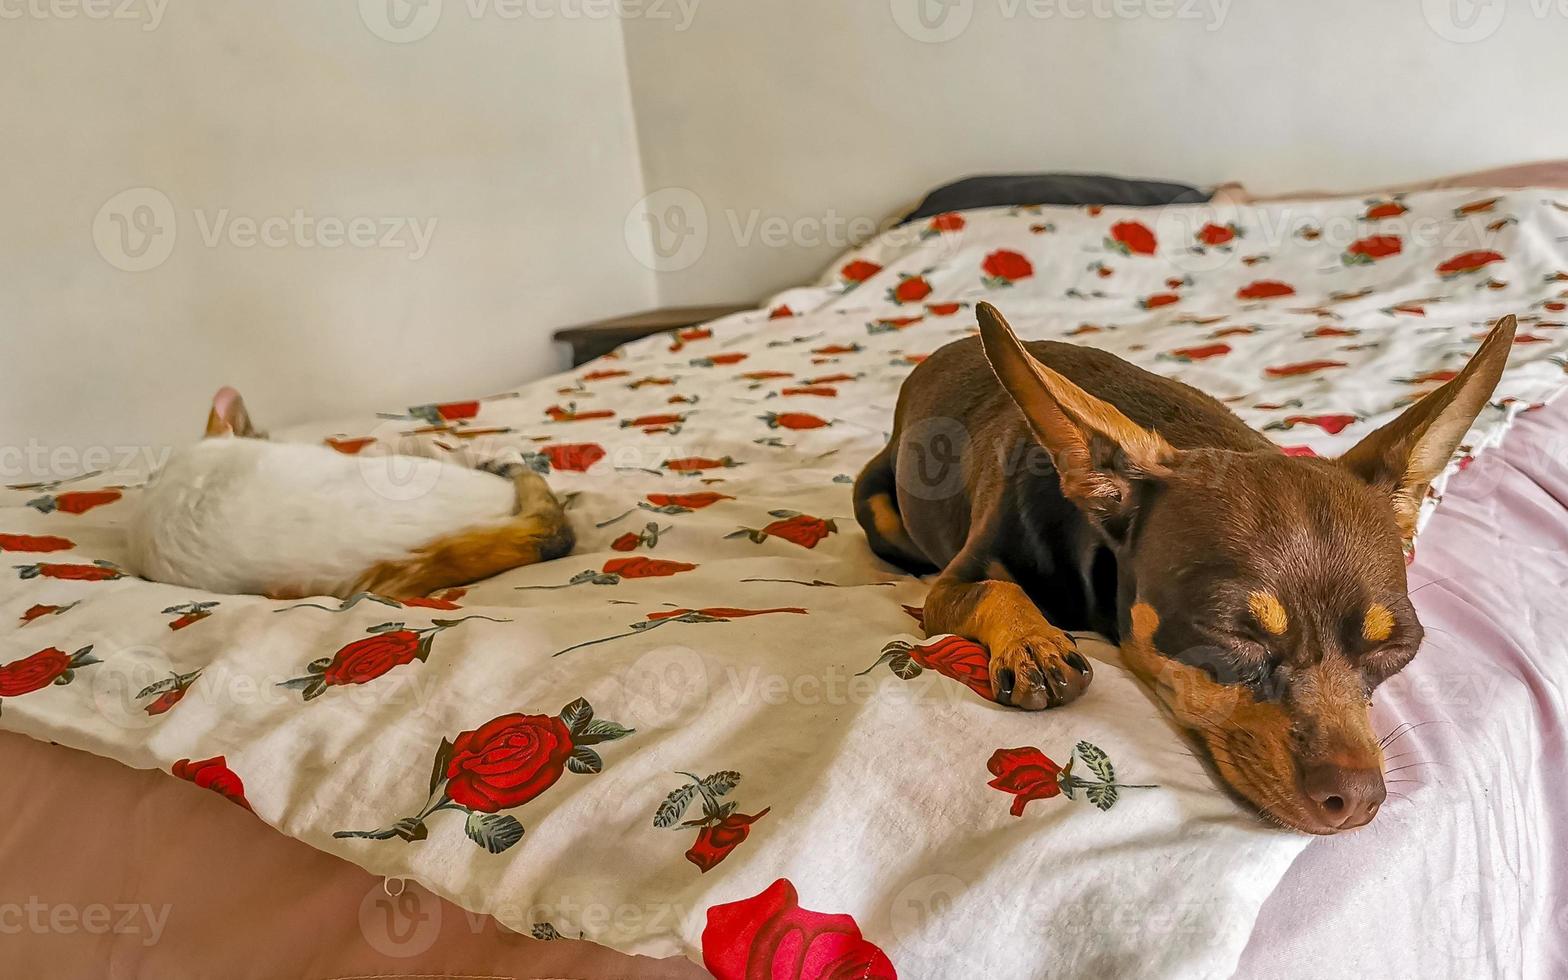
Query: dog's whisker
(1412, 765)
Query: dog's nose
(1343, 798)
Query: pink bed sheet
(1466, 876)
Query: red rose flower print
(34, 543)
(1158, 300)
(682, 503)
(816, 391)
(780, 313)
(1187, 355)
(771, 936)
(1212, 235)
(857, 272)
(632, 540)
(1004, 267)
(98, 571)
(36, 672)
(576, 457)
(794, 420)
(1327, 332)
(189, 613)
(943, 309)
(696, 464)
(74, 501)
(1430, 377)
(40, 610)
(1468, 262)
(1265, 289)
(214, 774)
(910, 289)
(605, 374)
(167, 693)
(1029, 775)
(1332, 424)
(641, 567)
(792, 526)
(661, 419)
(1298, 451)
(719, 828)
(718, 360)
(1476, 207)
(947, 223)
(832, 350)
(389, 645)
(1131, 238)
(954, 657)
(1368, 250)
(767, 375)
(891, 324)
(349, 446)
(1302, 368)
(710, 614)
(1380, 210)
(501, 765)
(571, 414)
(446, 600)
(449, 412)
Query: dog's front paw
(1039, 670)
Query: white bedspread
(763, 704)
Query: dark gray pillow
(1009, 190)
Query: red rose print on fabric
(1213, 235)
(576, 457)
(767, 375)
(214, 774)
(1302, 368)
(446, 600)
(35, 543)
(571, 414)
(835, 349)
(1468, 262)
(794, 420)
(720, 360)
(40, 670)
(449, 412)
(1332, 424)
(696, 464)
(910, 289)
(1298, 451)
(857, 272)
(1186, 355)
(501, 765)
(710, 614)
(1328, 332)
(770, 937)
(682, 503)
(1482, 206)
(1429, 378)
(1131, 238)
(349, 446)
(943, 309)
(1368, 250)
(1379, 210)
(188, 613)
(668, 421)
(167, 693)
(792, 526)
(720, 829)
(98, 571)
(1265, 289)
(40, 610)
(954, 657)
(941, 224)
(648, 536)
(389, 645)
(781, 312)
(817, 391)
(1005, 267)
(616, 569)
(605, 374)
(1158, 300)
(891, 324)
(1029, 775)
(74, 501)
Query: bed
(717, 731)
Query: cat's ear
(228, 416)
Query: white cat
(238, 514)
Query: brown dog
(1262, 596)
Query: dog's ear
(1098, 452)
(1405, 455)
(228, 416)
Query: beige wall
(816, 111)
(514, 138)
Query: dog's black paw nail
(1006, 681)
(1058, 677)
(1076, 661)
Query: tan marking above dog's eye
(1378, 625)
(1269, 613)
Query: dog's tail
(538, 532)
(876, 510)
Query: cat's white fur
(247, 516)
